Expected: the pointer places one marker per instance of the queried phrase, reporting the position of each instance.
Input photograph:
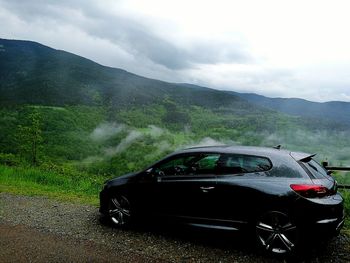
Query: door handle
(206, 189)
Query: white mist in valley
(163, 140)
(115, 138)
(328, 145)
(106, 130)
(124, 143)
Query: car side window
(238, 164)
(193, 164)
(206, 164)
(176, 166)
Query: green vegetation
(346, 195)
(29, 137)
(344, 178)
(64, 184)
(94, 141)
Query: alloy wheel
(119, 210)
(276, 233)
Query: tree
(29, 137)
(175, 115)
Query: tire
(276, 233)
(119, 212)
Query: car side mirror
(149, 173)
(152, 174)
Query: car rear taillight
(310, 190)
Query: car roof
(251, 150)
(245, 150)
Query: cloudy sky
(274, 48)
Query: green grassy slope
(65, 185)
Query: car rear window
(316, 169)
(236, 164)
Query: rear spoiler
(302, 157)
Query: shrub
(9, 159)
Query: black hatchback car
(282, 196)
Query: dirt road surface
(37, 229)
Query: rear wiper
(313, 167)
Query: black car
(282, 196)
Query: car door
(236, 178)
(185, 185)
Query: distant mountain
(31, 73)
(334, 110)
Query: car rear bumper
(323, 217)
(330, 226)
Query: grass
(344, 178)
(68, 185)
(35, 181)
(346, 196)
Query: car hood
(120, 179)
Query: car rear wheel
(276, 233)
(119, 211)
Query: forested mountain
(31, 73)
(332, 110)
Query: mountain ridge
(32, 73)
(332, 110)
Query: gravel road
(37, 229)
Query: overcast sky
(274, 48)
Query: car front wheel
(119, 211)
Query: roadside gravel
(38, 229)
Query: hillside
(333, 110)
(31, 73)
